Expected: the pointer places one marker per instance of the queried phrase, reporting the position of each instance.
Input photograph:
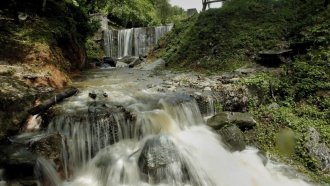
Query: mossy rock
(244, 121)
(233, 137)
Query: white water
(169, 134)
(132, 42)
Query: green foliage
(231, 35)
(282, 131)
(264, 84)
(140, 13)
(93, 49)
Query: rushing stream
(131, 136)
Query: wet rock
(92, 95)
(49, 147)
(204, 102)
(218, 121)
(15, 100)
(160, 160)
(128, 59)
(318, 150)
(244, 121)
(121, 64)
(109, 60)
(18, 162)
(233, 137)
(135, 63)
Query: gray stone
(18, 162)
(233, 137)
(135, 63)
(219, 121)
(318, 150)
(121, 64)
(158, 64)
(128, 59)
(244, 121)
(160, 160)
(110, 61)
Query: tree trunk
(52, 101)
(204, 6)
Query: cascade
(135, 137)
(132, 42)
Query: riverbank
(38, 54)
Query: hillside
(290, 100)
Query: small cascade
(132, 42)
(87, 133)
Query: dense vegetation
(129, 13)
(224, 39)
(66, 23)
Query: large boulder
(128, 59)
(135, 63)
(47, 145)
(274, 58)
(159, 160)
(219, 121)
(205, 103)
(157, 64)
(15, 100)
(109, 60)
(18, 163)
(233, 137)
(232, 98)
(318, 150)
(121, 64)
(244, 121)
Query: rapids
(131, 136)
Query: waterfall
(174, 147)
(132, 42)
(135, 137)
(125, 42)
